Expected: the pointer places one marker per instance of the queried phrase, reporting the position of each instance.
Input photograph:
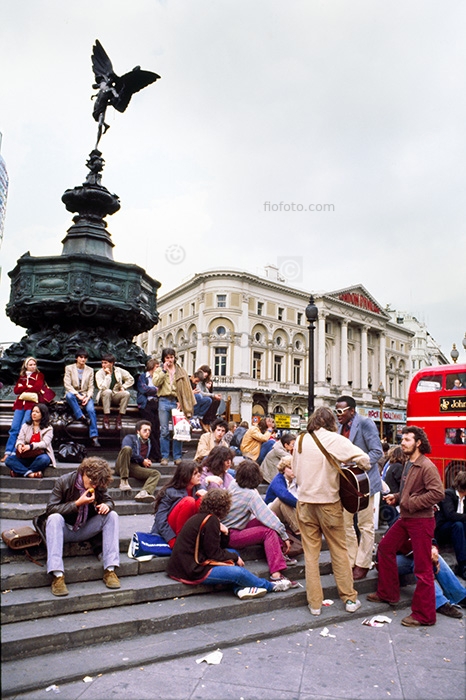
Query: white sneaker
(283, 584)
(314, 611)
(251, 592)
(144, 497)
(124, 485)
(352, 607)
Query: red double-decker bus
(437, 403)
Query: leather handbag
(47, 394)
(29, 396)
(71, 452)
(30, 454)
(21, 537)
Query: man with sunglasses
(363, 433)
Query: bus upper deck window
(456, 381)
(433, 383)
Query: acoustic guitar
(354, 489)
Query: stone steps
(96, 630)
(23, 498)
(253, 622)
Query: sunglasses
(341, 411)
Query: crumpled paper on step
(376, 621)
(213, 658)
(326, 633)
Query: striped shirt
(247, 504)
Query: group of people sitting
(211, 507)
(159, 390)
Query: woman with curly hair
(199, 554)
(177, 501)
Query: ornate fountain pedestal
(81, 298)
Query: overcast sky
(360, 105)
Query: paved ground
(359, 662)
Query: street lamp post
(381, 395)
(311, 315)
(454, 354)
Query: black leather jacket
(64, 495)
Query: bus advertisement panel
(437, 403)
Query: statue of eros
(113, 89)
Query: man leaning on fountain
(113, 384)
(79, 387)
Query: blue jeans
(79, 410)
(238, 576)
(447, 587)
(454, 532)
(24, 466)
(203, 404)
(20, 416)
(165, 416)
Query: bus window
(455, 436)
(433, 383)
(456, 381)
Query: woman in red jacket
(27, 389)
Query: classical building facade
(253, 332)
(425, 351)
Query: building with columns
(253, 332)
(425, 351)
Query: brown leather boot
(106, 422)
(118, 422)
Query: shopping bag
(144, 546)
(181, 426)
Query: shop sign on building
(389, 416)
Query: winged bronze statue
(114, 90)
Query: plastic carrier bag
(181, 426)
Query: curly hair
(248, 475)
(322, 418)
(97, 470)
(217, 502)
(419, 434)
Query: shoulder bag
(208, 562)
(47, 394)
(354, 483)
(21, 537)
(30, 454)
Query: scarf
(83, 510)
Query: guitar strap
(334, 462)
